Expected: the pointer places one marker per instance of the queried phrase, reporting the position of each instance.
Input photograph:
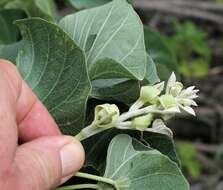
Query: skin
(34, 155)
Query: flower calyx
(142, 122)
(167, 101)
(149, 94)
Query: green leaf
(132, 169)
(10, 51)
(96, 148)
(97, 145)
(122, 90)
(102, 70)
(164, 144)
(54, 67)
(160, 53)
(35, 8)
(116, 33)
(47, 7)
(9, 32)
(151, 76)
(84, 4)
(190, 163)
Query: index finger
(32, 117)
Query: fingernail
(70, 158)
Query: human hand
(45, 158)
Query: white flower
(184, 97)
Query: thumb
(47, 161)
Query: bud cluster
(106, 115)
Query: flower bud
(106, 115)
(142, 122)
(149, 94)
(168, 101)
(176, 89)
(171, 82)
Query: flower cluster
(156, 104)
(162, 102)
(173, 100)
(181, 98)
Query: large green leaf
(96, 146)
(144, 170)
(160, 53)
(34, 8)
(122, 90)
(55, 69)
(112, 31)
(9, 32)
(84, 4)
(9, 51)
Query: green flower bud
(168, 101)
(106, 115)
(176, 89)
(149, 94)
(142, 122)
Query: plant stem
(138, 104)
(124, 124)
(134, 113)
(121, 123)
(81, 186)
(96, 178)
(93, 128)
(84, 132)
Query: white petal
(196, 91)
(189, 110)
(171, 82)
(172, 110)
(191, 88)
(186, 93)
(193, 96)
(160, 86)
(193, 103)
(186, 102)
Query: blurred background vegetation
(181, 35)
